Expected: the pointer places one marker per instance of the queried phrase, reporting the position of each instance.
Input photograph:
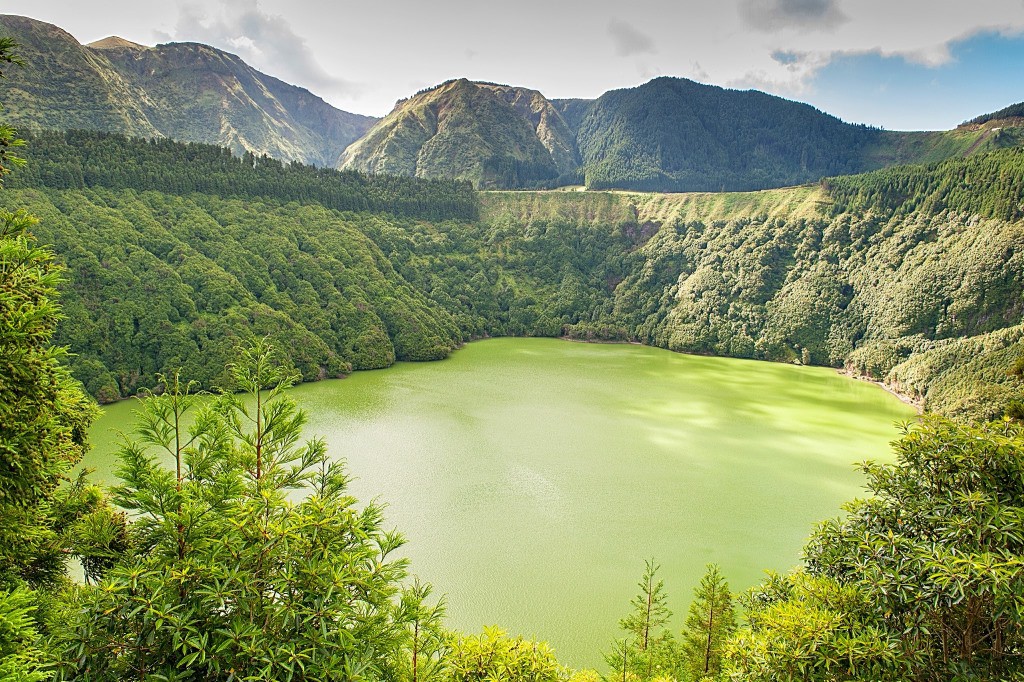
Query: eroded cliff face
(495, 136)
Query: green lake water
(532, 477)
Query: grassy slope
(895, 148)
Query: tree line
(78, 159)
(989, 185)
(1012, 111)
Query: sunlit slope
(491, 135)
(895, 148)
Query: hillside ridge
(185, 91)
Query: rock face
(186, 91)
(495, 136)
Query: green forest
(1012, 111)
(80, 160)
(166, 268)
(910, 275)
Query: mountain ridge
(186, 91)
(669, 134)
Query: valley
(900, 275)
(423, 395)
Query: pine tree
(648, 650)
(427, 640)
(253, 561)
(710, 623)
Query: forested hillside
(911, 275)
(673, 134)
(160, 281)
(926, 298)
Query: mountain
(670, 134)
(675, 134)
(667, 135)
(496, 136)
(185, 91)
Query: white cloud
(771, 15)
(263, 40)
(628, 40)
(781, 45)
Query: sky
(896, 64)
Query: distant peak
(115, 43)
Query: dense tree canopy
(904, 275)
(922, 580)
(44, 419)
(989, 185)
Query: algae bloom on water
(532, 477)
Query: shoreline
(903, 397)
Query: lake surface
(532, 477)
